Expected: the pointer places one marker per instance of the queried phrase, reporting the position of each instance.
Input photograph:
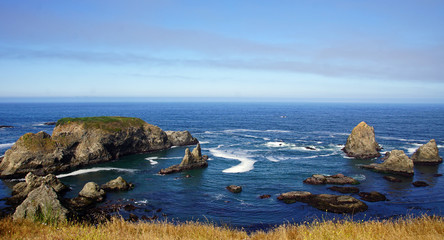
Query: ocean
(259, 146)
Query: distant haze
(333, 51)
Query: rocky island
(77, 142)
(361, 143)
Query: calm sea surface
(260, 146)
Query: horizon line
(217, 99)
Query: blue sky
(391, 51)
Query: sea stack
(427, 154)
(396, 162)
(78, 142)
(191, 160)
(361, 143)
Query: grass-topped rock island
(77, 142)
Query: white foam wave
(400, 139)
(279, 144)
(440, 146)
(246, 163)
(141, 202)
(359, 177)
(273, 159)
(2, 156)
(257, 131)
(204, 142)
(151, 158)
(98, 169)
(6, 145)
(278, 131)
(266, 139)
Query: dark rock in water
(339, 179)
(234, 189)
(5, 126)
(372, 196)
(337, 203)
(295, 196)
(326, 202)
(129, 207)
(344, 189)
(361, 143)
(77, 142)
(159, 210)
(43, 204)
(32, 181)
(437, 175)
(133, 217)
(264, 196)
(392, 179)
(311, 148)
(49, 123)
(427, 154)
(118, 184)
(191, 160)
(181, 138)
(144, 218)
(420, 184)
(397, 162)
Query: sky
(345, 50)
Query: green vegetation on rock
(38, 142)
(112, 124)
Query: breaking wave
(90, 170)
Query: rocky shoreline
(78, 142)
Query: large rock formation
(118, 184)
(77, 142)
(191, 160)
(32, 181)
(326, 202)
(42, 204)
(361, 143)
(396, 162)
(339, 179)
(181, 138)
(427, 154)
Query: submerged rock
(392, 179)
(50, 123)
(339, 179)
(344, 189)
(41, 204)
(420, 184)
(372, 196)
(427, 154)
(6, 126)
(264, 196)
(77, 142)
(118, 184)
(191, 160)
(32, 181)
(234, 188)
(396, 162)
(361, 143)
(181, 138)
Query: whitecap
(204, 142)
(273, 159)
(6, 145)
(279, 144)
(151, 158)
(246, 163)
(141, 202)
(278, 131)
(359, 177)
(266, 139)
(2, 156)
(98, 169)
(440, 146)
(400, 139)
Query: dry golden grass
(409, 228)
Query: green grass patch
(107, 123)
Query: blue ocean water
(260, 146)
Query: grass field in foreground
(425, 227)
